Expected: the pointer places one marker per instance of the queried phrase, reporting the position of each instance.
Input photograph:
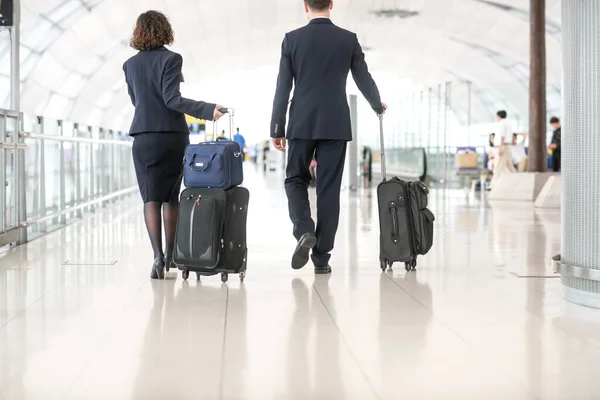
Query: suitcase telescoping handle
(383, 165)
(231, 113)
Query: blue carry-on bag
(214, 165)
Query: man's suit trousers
(330, 156)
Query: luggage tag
(201, 162)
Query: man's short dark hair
(554, 120)
(502, 114)
(318, 5)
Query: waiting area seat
(468, 166)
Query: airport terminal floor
(482, 318)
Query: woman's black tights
(170, 212)
(152, 217)
(153, 225)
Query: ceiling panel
(417, 39)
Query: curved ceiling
(72, 50)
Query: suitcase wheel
(185, 274)
(224, 277)
(198, 275)
(411, 265)
(385, 264)
(242, 276)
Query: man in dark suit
(317, 59)
(555, 144)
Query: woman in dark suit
(161, 133)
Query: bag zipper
(395, 229)
(192, 214)
(410, 220)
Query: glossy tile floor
(80, 318)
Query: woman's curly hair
(152, 31)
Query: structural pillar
(15, 104)
(580, 260)
(447, 108)
(469, 110)
(537, 87)
(353, 145)
(15, 51)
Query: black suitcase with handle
(211, 232)
(235, 251)
(405, 222)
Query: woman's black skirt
(158, 160)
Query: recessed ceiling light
(394, 13)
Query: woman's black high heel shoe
(169, 261)
(158, 269)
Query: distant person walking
(265, 154)
(491, 151)
(161, 133)
(317, 59)
(555, 144)
(504, 159)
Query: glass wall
(64, 169)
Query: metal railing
(56, 171)
(405, 163)
(442, 168)
(436, 164)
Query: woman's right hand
(217, 114)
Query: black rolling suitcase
(235, 251)
(405, 222)
(211, 229)
(211, 232)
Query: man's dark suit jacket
(556, 139)
(317, 59)
(153, 78)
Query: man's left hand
(384, 109)
(280, 144)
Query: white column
(580, 263)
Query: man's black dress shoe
(301, 254)
(158, 269)
(323, 270)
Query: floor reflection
(236, 341)
(298, 376)
(313, 359)
(184, 341)
(402, 338)
(463, 326)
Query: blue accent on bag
(213, 165)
